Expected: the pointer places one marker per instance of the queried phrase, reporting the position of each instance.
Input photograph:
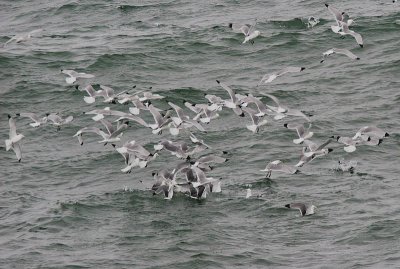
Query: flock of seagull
(190, 175)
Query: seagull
(261, 107)
(347, 31)
(22, 37)
(257, 122)
(248, 30)
(161, 121)
(350, 143)
(339, 51)
(37, 120)
(370, 131)
(205, 113)
(137, 155)
(313, 148)
(270, 77)
(57, 120)
(234, 102)
(122, 115)
(14, 138)
(304, 210)
(314, 152)
(112, 135)
(182, 120)
(279, 166)
(301, 132)
(339, 17)
(179, 149)
(198, 141)
(282, 111)
(92, 94)
(73, 75)
(108, 94)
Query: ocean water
(64, 205)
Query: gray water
(64, 205)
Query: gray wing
(273, 99)
(302, 207)
(32, 116)
(211, 159)
(156, 115)
(323, 145)
(109, 91)
(17, 149)
(229, 90)
(290, 69)
(110, 128)
(119, 130)
(336, 13)
(346, 52)
(311, 145)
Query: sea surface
(70, 206)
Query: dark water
(64, 206)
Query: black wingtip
(218, 81)
(301, 69)
(330, 150)
(337, 138)
(326, 5)
(134, 86)
(9, 116)
(18, 114)
(288, 205)
(153, 174)
(380, 141)
(285, 125)
(77, 87)
(358, 58)
(230, 25)
(387, 134)
(361, 45)
(224, 152)
(19, 160)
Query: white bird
(73, 75)
(339, 51)
(108, 94)
(100, 113)
(248, 30)
(37, 121)
(234, 102)
(14, 139)
(112, 135)
(257, 122)
(22, 37)
(302, 133)
(350, 143)
(339, 17)
(272, 76)
(313, 152)
(92, 94)
(161, 121)
(370, 131)
(347, 31)
(279, 166)
(57, 120)
(304, 210)
(182, 121)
